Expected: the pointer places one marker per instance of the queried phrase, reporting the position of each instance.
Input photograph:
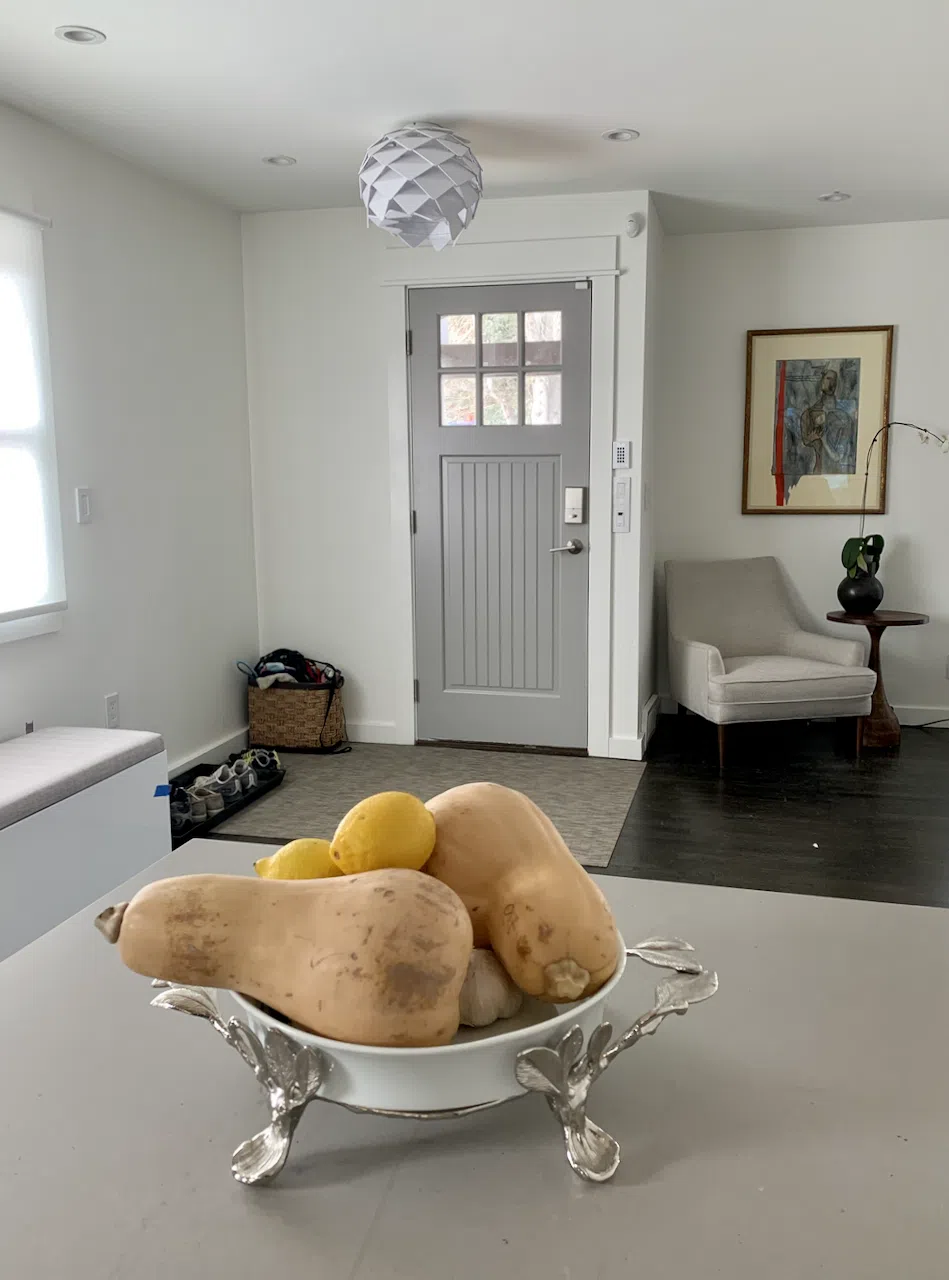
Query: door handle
(572, 548)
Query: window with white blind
(32, 587)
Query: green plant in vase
(862, 591)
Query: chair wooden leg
(721, 746)
(860, 720)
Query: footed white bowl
(476, 1069)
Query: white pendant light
(422, 183)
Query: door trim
(489, 264)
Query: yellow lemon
(298, 860)
(392, 829)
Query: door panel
(500, 390)
(500, 593)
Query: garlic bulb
(488, 993)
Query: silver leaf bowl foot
(260, 1158)
(565, 1074)
(290, 1074)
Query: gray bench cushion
(45, 767)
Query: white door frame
(503, 262)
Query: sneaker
(224, 781)
(264, 761)
(199, 808)
(205, 803)
(180, 807)
(244, 774)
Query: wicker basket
(296, 717)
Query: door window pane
(542, 399)
(499, 339)
(542, 338)
(456, 342)
(499, 400)
(458, 401)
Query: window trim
(36, 624)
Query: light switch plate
(622, 487)
(83, 506)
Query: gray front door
(500, 396)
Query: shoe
(180, 807)
(244, 774)
(205, 803)
(199, 808)
(224, 782)
(264, 761)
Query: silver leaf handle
(565, 1073)
(290, 1073)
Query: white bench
(80, 809)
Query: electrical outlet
(28, 727)
(111, 710)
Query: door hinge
(413, 522)
(415, 690)
(408, 342)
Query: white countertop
(796, 1125)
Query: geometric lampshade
(422, 183)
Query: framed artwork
(814, 399)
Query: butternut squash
(528, 897)
(378, 958)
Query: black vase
(860, 595)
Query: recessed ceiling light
(282, 162)
(834, 197)
(620, 135)
(80, 35)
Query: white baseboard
(667, 704)
(211, 752)
(920, 715)
(626, 747)
(372, 730)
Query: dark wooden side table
(881, 727)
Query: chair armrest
(820, 648)
(692, 664)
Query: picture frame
(814, 399)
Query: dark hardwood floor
(793, 812)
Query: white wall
(147, 351)
(719, 286)
(319, 409)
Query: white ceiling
(748, 109)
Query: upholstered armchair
(737, 651)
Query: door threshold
(513, 747)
